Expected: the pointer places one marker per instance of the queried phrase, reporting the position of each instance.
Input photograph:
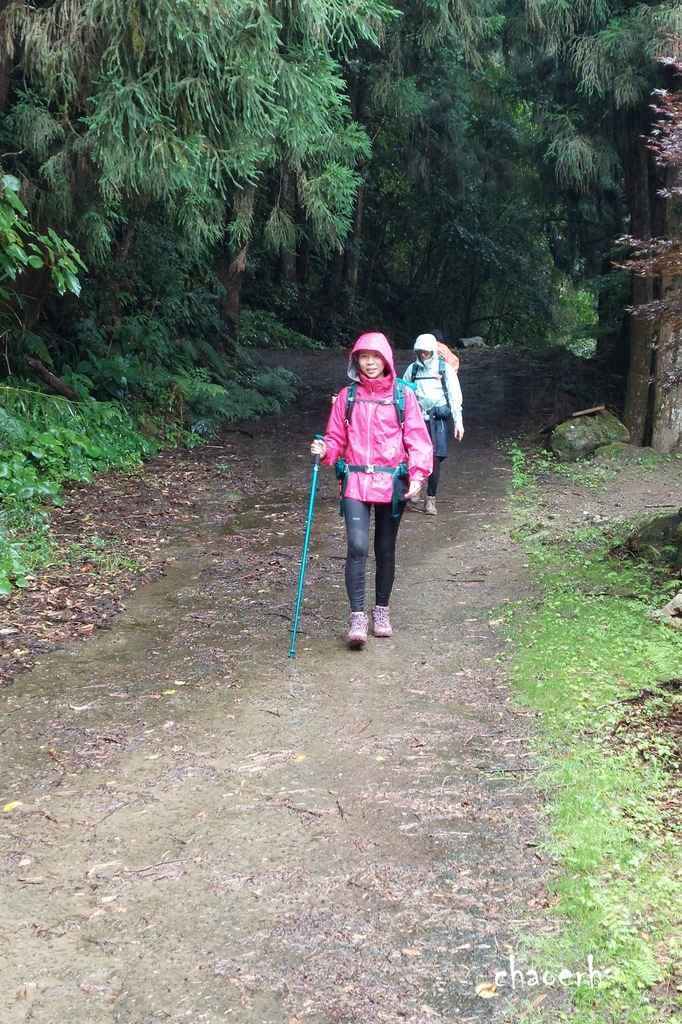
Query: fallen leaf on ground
(14, 803)
(488, 990)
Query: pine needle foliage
(179, 102)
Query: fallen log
(586, 412)
(55, 383)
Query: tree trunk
(302, 262)
(666, 434)
(231, 266)
(287, 257)
(639, 397)
(231, 276)
(335, 277)
(352, 260)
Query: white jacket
(430, 389)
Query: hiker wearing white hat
(440, 400)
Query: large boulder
(623, 453)
(581, 435)
(476, 342)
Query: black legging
(432, 482)
(385, 536)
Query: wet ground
(201, 828)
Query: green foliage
(23, 249)
(25, 542)
(578, 658)
(45, 442)
(184, 103)
(21, 246)
(261, 329)
(576, 319)
(62, 440)
(594, 667)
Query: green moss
(592, 666)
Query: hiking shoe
(381, 624)
(416, 504)
(430, 506)
(357, 634)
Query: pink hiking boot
(381, 623)
(357, 634)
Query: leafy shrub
(261, 329)
(45, 441)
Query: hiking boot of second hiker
(416, 504)
(357, 634)
(430, 507)
(381, 624)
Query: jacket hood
(372, 342)
(426, 343)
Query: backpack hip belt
(343, 471)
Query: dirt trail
(207, 830)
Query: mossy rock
(580, 436)
(659, 540)
(622, 452)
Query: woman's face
(423, 355)
(371, 364)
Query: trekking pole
(313, 485)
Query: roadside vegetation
(183, 183)
(605, 681)
(48, 441)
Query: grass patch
(603, 679)
(103, 556)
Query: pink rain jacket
(374, 436)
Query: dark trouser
(432, 482)
(385, 537)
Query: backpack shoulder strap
(399, 399)
(443, 379)
(414, 372)
(350, 400)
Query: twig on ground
(355, 734)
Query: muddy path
(207, 830)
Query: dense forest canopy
(184, 179)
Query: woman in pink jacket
(388, 454)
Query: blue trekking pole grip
(304, 556)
